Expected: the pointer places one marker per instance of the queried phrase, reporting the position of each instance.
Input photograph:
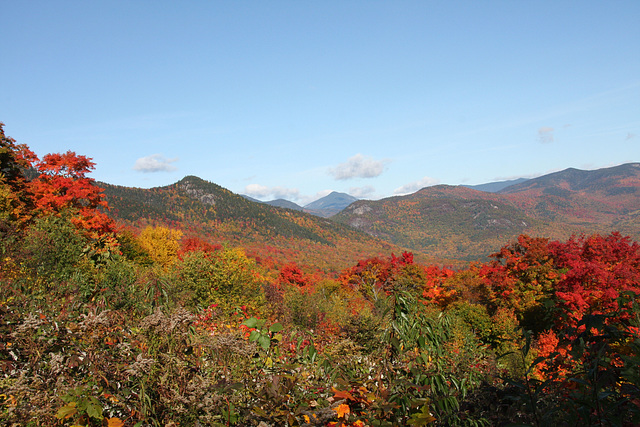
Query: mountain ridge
(462, 222)
(271, 234)
(441, 221)
(495, 187)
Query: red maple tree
(63, 186)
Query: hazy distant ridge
(330, 204)
(494, 187)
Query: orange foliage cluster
(435, 291)
(197, 244)
(60, 187)
(63, 185)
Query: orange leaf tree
(63, 186)
(15, 199)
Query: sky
(294, 99)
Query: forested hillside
(463, 223)
(600, 200)
(272, 234)
(166, 320)
(444, 221)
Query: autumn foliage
(596, 271)
(62, 185)
(167, 327)
(15, 198)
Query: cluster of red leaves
(521, 274)
(196, 244)
(372, 275)
(556, 356)
(584, 275)
(597, 269)
(62, 186)
(291, 275)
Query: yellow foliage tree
(228, 278)
(161, 243)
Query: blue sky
(292, 99)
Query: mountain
(443, 221)
(608, 196)
(251, 198)
(286, 204)
(494, 187)
(280, 203)
(464, 223)
(609, 180)
(330, 204)
(271, 234)
(439, 222)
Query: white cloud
(261, 192)
(362, 192)
(154, 163)
(414, 186)
(358, 166)
(545, 134)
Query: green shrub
(477, 318)
(118, 285)
(55, 247)
(227, 278)
(302, 309)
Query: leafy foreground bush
(94, 338)
(66, 361)
(109, 343)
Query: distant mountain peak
(330, 204)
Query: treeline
(102, 325)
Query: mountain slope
(280, 203)
(607, 196)
(271, 234)
(460, 222)
(286, 204)
(442, 221)
(626, 176)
